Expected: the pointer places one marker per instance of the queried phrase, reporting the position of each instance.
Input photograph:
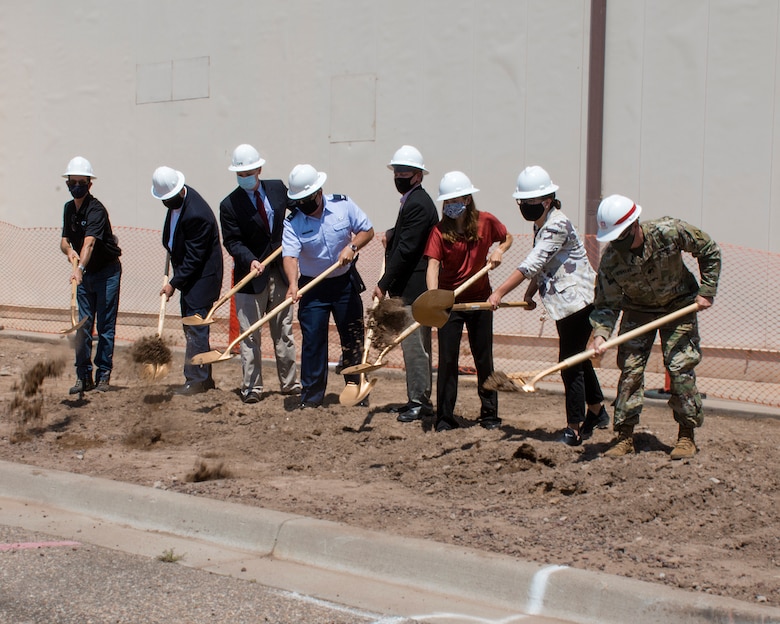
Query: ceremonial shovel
(353, 393)
(152, 371)
(75, 324)
(586, 355)
(436, 296)
(432, 313)
(215, 356)
(197, 319)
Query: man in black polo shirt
(87, 238)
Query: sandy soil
(706, 525)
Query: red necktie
(261, 210)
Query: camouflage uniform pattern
(646, 287)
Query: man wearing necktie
(252, 218)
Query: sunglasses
(72, 183)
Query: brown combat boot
(685, 447)
(623, 444)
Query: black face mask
(403, 185)
(624, 244)
(174, 203)
(79, 190)
(308, 207)
(531, 212)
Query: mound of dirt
(706, 525)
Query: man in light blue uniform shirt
(322, 230)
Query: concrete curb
(551, 591)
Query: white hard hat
(166, 182)
(455, 184)
(79, 166)
(614, 215)
(408, 156)
(304, 180)
(245, 158)
(533, 182)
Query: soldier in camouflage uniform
(642, 273)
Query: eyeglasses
(72, 183)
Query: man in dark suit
(404, 274)
(191, 236)
(252, 220)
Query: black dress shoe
(196, 387)
(489, 422)
(397, 409)
(446, 425)
(308, 405)
(418, 412)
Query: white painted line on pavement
(539, 587)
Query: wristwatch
(353, 247)
(81, 268)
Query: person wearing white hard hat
(643, 275)
(191, 236)
(321, 231)
(89, 242)
(458, 247)
(252, 221)
(559, 269)
(404, 274)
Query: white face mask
(454, 209)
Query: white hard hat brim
(311, 189)
(248, 167)
(536, 192)
(454, 194)
(397, 163)
(606, 236)
(176, 189)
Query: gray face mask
(454, 209)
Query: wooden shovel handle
(245, 280)
(618, 340)
(163, 298)
(286, 303)
(485, 305)
(73, 289)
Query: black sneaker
(82, 385)
(594, 421)
(250, 397)
(570, 437)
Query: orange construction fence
(740, 336)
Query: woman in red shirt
(458, 248)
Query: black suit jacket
(405, 265)
(244, 233)
(196, 255)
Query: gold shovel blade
(359, 369)
(73, 328)
(353, 393)
(196, 319)
(210, 357)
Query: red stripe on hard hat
(626, 216)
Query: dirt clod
(500, 381)
(388, 319)
(151, 350)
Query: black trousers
(479, 325)
(579, 381)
